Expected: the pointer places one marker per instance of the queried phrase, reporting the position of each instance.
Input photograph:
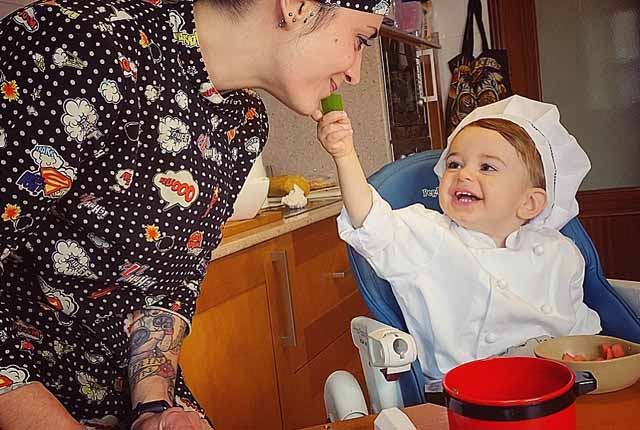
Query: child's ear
(535, 201)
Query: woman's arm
(154, 347)
(33, 407)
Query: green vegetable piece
(332, 103)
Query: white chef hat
(565, 162)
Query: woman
(126, 137)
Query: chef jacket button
(490, 338)
(502, 284)
(538, 250)
(546, 309)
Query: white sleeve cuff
(376, 231)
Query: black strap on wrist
(156, 406)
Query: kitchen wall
(448, 20)
(6, 7)
(292, 147)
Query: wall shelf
(387, 30)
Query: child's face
(486, 185)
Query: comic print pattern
(120, 163)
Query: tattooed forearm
(154, 346)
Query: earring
(290, 13)
(293, 20)
(281, 23)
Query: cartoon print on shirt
(80, 119)
(54, 177)
(47, 355)
(182, 100)
(9, 89)
(11, 212)
(154, 50)
(252, 145)
(62, 58)
(38, 60)
(12, 377)
(71, 259)
(215, 122)
(209, 92)
(124, 178)
(71, 14)
(176, 188)
(118, 15)
(179, 35)
(90, 388)
(62, 348)
(90, 202)
(151, 233)
(133, 274)
(63, 303)
(129, 68)
(27, 18)
(98, 241)
(207, 151)
(152, 92)
(215, 195)
(194, 243)
(173, 135)
(110, 91)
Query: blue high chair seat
(412, 180)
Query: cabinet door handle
(338, 275)
(281, 264)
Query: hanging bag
(476, 81)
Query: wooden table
(611, 411)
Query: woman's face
(314, 64)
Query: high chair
(386, 350)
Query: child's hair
(523, 144)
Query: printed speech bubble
(177, 188)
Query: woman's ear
(535, 201)
(291, 12)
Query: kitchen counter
(246, 239)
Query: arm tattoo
(154, 347)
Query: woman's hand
(171, 419)
(335, 133)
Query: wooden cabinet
(272, 323)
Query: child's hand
(335, 133)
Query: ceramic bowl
(611, 375)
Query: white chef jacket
(462, 297)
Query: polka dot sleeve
(60, 95)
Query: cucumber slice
(332, 103)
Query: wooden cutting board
(263, 218)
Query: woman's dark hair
(237, 8)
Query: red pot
(514, 393)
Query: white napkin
(393, 419)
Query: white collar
(477, 240)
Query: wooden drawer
(233, 275)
